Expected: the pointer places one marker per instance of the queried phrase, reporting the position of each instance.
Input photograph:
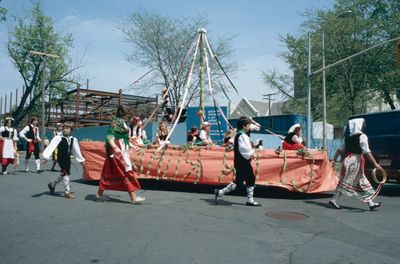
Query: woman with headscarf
(162, 134)
(117, 173)
(353, 182)
(8, 144)
(136, 132)
(293, 140)
(204, 136)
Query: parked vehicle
(383, 131)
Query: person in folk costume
(243, 153)
(8, 144)
(353, 181)
(293, 141)
(65, 145)
(192, 135)
(229, 138)
(204, 136)
(57, 132)
(31, 134)
(162, 133)
(117, 173)
(136, 134)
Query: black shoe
(252, 204)
(216, 196)
(377, 205)
(39, 171)
(334, 205)
(51, 188)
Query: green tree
(3, 13)
(161, 43)
(36, 32)
(354, 84)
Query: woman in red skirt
(117, 171)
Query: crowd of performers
(126, 134)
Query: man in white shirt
(31, 134)
(243, 152)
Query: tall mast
(202, 47)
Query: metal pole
(202, 69)
(268, 97)
(324, 94)
(16, 97)
(78, 94)
(309, 92)
(5, 105)
(43, 114)
(10, 103)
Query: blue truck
(383, 131)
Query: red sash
(287, 146)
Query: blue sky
(258, 25)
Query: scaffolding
(87, 107)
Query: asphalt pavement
(179, 223)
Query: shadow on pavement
(222, 202)
(326, 205)
(260, 191)
(105, 199)
(56, 194)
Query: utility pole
(268, 97)
(309, 92)
(323, 95)
(44, 56)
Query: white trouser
(65, 181)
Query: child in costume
(293, 141)
(31, 134)
(66, 145)
(243, 153)
(204, 136)
(57, 132)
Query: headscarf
(205, 124)
(355, 126)
(292, 128)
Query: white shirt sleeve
(51, 147)
(297, 139)
(15, 138)
(364, 144)
(38, 134)
(245, 148)
(203, 135)
(76, 151)
(2, 129)
(23, 132)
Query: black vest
(238, 159)
(162, 137)
(7, 134)
(30, 134)
(64, 154)
(288, 138)
(352, 144)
